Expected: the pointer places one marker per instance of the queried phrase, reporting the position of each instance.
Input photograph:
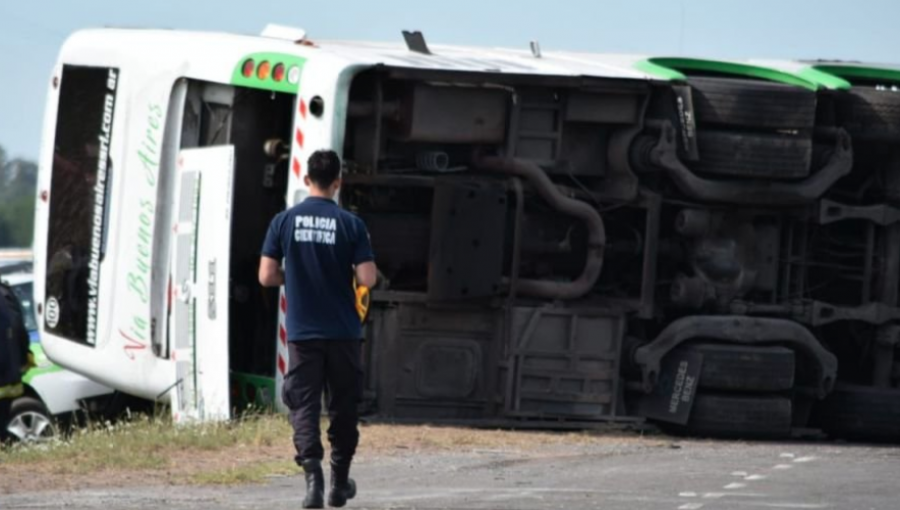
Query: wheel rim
(30, 427)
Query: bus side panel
(115, 348)
(324, 83)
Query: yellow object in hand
(362, 302)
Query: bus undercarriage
(721, 256)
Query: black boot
(342, 486)
(315, 484)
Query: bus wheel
(739, 416)
(869, 112)
(30, 421)
(744, 368)
(861, 413)
(752, 104)
(765, 155)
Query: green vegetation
(147, 443)
(18, 179)
(245, 473)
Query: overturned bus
(562, 237)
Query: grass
(244, 473)
(148, 443)
(154, 450)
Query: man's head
(323, 172)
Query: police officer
(14, 354)
(324, 248)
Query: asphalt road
(683, 475)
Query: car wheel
(752, 104)
(30, 421)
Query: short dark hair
(324, 167)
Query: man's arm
(270, 272)
(363, 258)
(366, 274)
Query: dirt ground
(266, 458)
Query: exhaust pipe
(569, 206)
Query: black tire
(744, 368)
(861, 413)
(758, 155)
(744, 417)
(868, 112)
(753, 104)
(30, 421)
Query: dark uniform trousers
(5, 405)
(314, 366)
(14, 346)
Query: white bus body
(561, 236)
(129, 333)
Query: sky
(31, 32)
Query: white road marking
(751, 478)
(658, 502)
(497, 493)
(719, 495)
(795, 505)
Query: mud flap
(673, 396)
(687, 122)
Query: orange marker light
(262, 72)
(247, 68)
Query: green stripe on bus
(824, 79)
(674, 68)
(666, 73)
(849, 73)
(290, 83)
(44, 365)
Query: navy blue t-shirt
(320, 243)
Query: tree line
(18, 181)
